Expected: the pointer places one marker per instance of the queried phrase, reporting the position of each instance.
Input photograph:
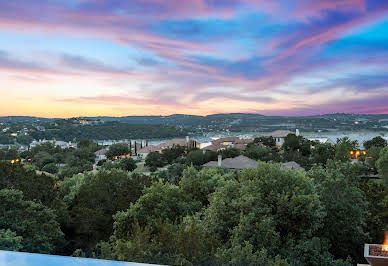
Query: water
(205, 139)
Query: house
(183, 142)
(291, 166)
(237, 163)
(142, 153)
(279, 136)
(226, 142)
(101, 154)
(322, 140)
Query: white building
(279, 136)
(322, 140)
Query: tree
(378, 142)
(322, 152)
(382, 166)
(343, 148)
(117, 150)
(50, 168)
(262, 153)
(266, 141)
(34, 222)
(229, 152)
(10, 241)
(24, 140)
(128, 164)
(373, 154)
(345, 208)
(199, 157)
(159, 202)
(154, 160)
(170, 154)
(270, 208)
(98, 198)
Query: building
(182, 142)
(322, 140)
(237, 163)
(291, 166)
(279, 136)
(101, 154)
(228, 142)
(62, 144)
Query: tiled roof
(148, 149)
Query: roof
(279, 133)
(148, 149)
(226, 139)
(239, 162)
(212, 147)
(291, 166)
(101, 152)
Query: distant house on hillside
(279, 136)
(236, 163)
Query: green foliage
(97, 198)
(68, 131)
(128, 164)
(373, 154)
(199, 157)
(345, 207)
(34, 222)
(267, 207)
(50, 168)
(229, 152)
(378, 142)
(8, 154)
(244, 254)
(200, 184)
(343, 147)
(382, 166)
(159, 202)
(377, 219)
(117, 150)
(171, 154)
(24, 140)
(321, 153)
(10, 241)
(262, 153)
(154, 160)
(34, 186)
(266, 141)
(183, 243)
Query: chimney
(297, 132)
(219, 160)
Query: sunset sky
(65, 58)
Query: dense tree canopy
(32, 221)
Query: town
(85, 188)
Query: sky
(66, 58)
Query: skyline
(151, 57)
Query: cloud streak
(176, 54)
